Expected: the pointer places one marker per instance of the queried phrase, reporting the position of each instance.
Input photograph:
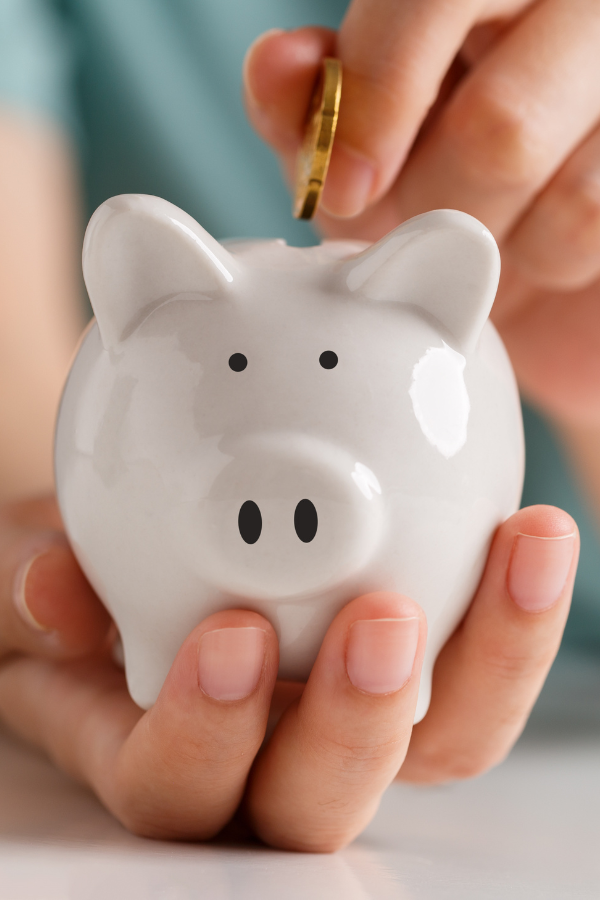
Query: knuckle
(220, 754)
(509, 665)
(582, 195)
(498, 137)
(519, 656)
(350, 756)
(444, 766)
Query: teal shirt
(150, 91)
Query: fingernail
(230, 662)
(349, 183)
(26, 573)
(381, 654)
(538, 570)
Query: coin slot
(306, 521)
(250, 522)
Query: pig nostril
(250, 522)
(306, 521)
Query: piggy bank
(283, 429)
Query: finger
(394, 56)
(556, 244)
(280, 70)
(513, 121)
(179, 770)
(47, 606)
(334, 752)
(490, 672)
(553, 342)
(279, 76)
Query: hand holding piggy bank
(283, 429)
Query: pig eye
(328, 359)
(238, 362)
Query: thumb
(47, 607)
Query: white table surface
(529, 829)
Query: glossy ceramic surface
(283, 429)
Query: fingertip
(380, 605)
(384, 639)
(541, 521)
(229, 656)
(531, 566)
(53, 595)
(543, 558)
(282, 65)
(349, 185)
(279, 73)
(233, 618)
(257, 64)
(381, 653)
(371, 629)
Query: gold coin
(315, 153)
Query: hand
(182, 769)
(488, 106)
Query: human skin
(488, 107)
(184, 768)
(40, 289)
(188, 765)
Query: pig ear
(138, 252)
(445, 262)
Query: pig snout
(289, 515)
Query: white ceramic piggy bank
(283, 429)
